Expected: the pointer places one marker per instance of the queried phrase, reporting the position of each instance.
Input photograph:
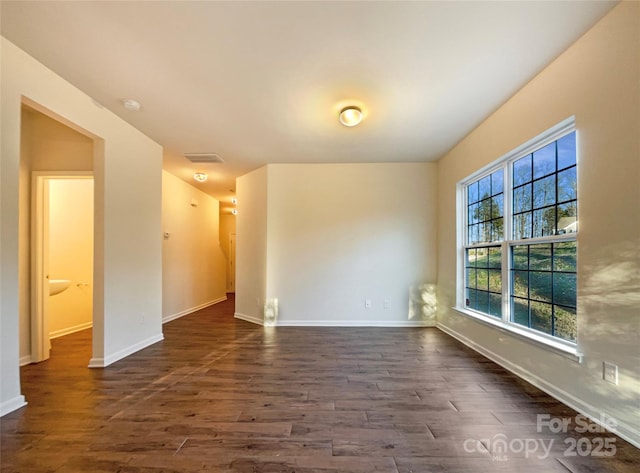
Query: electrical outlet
(387, 303)
(367, 303)
(610, 372)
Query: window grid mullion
(507, 236)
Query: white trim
(68, 330)
(26, 360)
(177, 315)
(623, 430)
(353, 323)
(39, 251)
(104, 362)
(12, 405)
(546, 342)
(249, 318)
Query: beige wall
(598, 81)
(339, 234)
(322, 238)
(251, 239)
(127, 247)
(193, 264)
(71, 254)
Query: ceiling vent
(199, 158)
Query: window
(520, 221)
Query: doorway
(62, 257)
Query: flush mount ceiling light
(350, 116)
(132, 105)
(200, 176)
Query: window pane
(484, 188)
(567, 185)
(483, 302)
(522, 199)
(495, 257)
(520, 311)
(567, 151)
(471, 258)
(520, 256)
(540, 257)
(567, 218)
(522, 170)
(497, 206)
(495, 305)
(541, 317)
(544, 222)
(564, 256)
(564, 289)
(471, 298)
(473, 214)
(544, 192)
(472, 193)
(497, 229)
(522, 226)
(566, 324)
(482, 258)
(473, 234)
(497, 182)
(483, 279)
(471, 278)
(495, 280)
(544, 161)
(540, 286)
(521, 283)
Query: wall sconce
(350, 116)
(200, 176)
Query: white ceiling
(262, 82)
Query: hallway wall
(193, 264)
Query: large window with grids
(519, 218)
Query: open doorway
(62, 257)
(55, 231)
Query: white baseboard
(353, 323)
(169, 318)
(25, 360)
(106, 361)
(12, 404)
(623, 430)
(248, 318)
(68, 330)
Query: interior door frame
(40, 342)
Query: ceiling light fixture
(132, 105)
(350, 116)
(200, 176)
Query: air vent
(199, 158)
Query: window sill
(567, 351)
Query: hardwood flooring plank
(223, 395)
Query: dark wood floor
(219, 394)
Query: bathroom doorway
(62, 257)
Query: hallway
(220, 394)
